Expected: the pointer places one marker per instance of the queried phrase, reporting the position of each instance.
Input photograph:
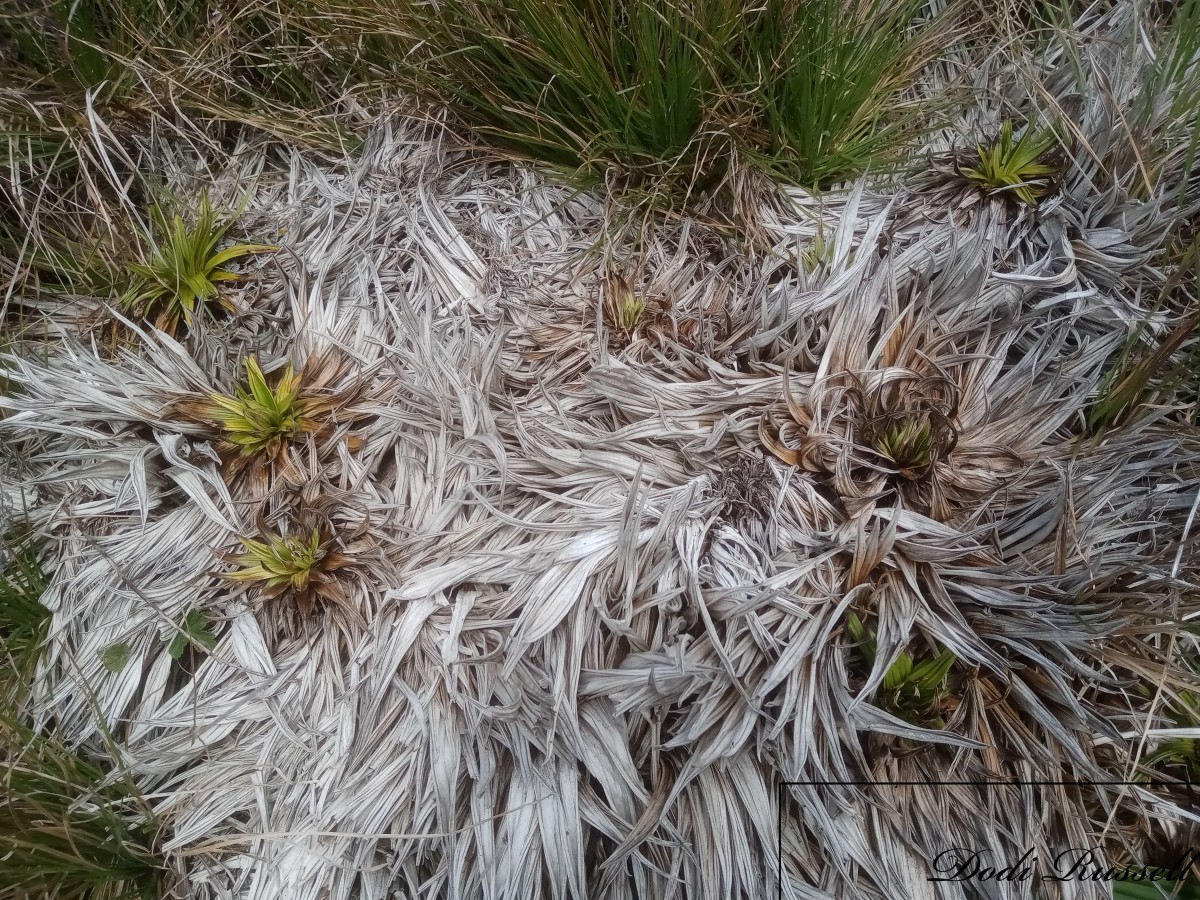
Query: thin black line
(995, 783)
(779, 837)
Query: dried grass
(600, 622)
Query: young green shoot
(280, 563)
(820, 252)
(911, 444)
(1179, 752)
(629, 311)
(1015, 167)
(260, 419)
(185, 268)
(911, 688)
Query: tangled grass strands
(65, 829)
(496, 517)
(593, 597)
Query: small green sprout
(819, 252)
(1015, 167)
(185, 268)
(1181, 752)
(912, 689)
(280, 563)
(1177, 752)
(259, 419)
(629, 311)
(624, 308)
(911, 444)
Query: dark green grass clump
(23, 619)
(650, 95)
(808, 89)
(66, 832)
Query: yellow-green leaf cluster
(911, 687)
(1015, 166)
(185, 267)
(259, 419)
(629, 311)
(280, 562)
(909, 443)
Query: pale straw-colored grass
(595, 623)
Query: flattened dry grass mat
(1153, 859)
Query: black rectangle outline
(779, 788)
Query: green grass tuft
(185, 267)
(66, 832)
(23, 619)
(1165, 370)
(665, 93)
(824, 81)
